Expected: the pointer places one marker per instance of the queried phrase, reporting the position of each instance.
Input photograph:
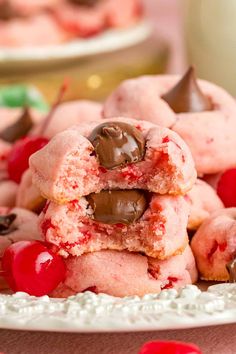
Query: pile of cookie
(125, 190)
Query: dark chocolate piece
(6, 10)
(117, 143)
(84, 2)
(118, 206)
(186, 95)
(231, 268)
(18, 129)
(6, 222)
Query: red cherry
(169, 348)
(29, 266)
(18, 159)
(226, 188)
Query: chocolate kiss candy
(6, 226)
(6, 10)
(117, 143)
(231, 267)
(118, 206)
(18, 129)
(186, 95)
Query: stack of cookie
(116, 208)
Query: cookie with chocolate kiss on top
(202, 113)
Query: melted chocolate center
(118, 206)
(186, 95)
(6, 222)
(18, 129)
(117, 143)
(231, 267)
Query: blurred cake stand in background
(94, 66)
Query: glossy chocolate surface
(118, 206)
(187, 96)
(117, 144)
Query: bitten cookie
(120, 220)
(120, 153)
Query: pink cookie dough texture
(8, 191)
(66, 169)
(26, 224)
(86, 21)
(28, 196)
(159, 233)
(38, 30)
(210, 134)
(69, 114)
(126, 274)
(214, 245)
(203, 201)
(29, 7)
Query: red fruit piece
(226, 188)
(29, 266)
(169, 348)
(18, 159)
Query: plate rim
(90, 313)
(105, 42)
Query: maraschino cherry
(29, 266)
(226, 188)
(159, 347)
(18, 159)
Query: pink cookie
(203, 201)
(28, 196)
(158, 231)
(84, 21)
(8, 191)
(30, 7)
(69, 114)
(67, 167)
(214, 244)
(10, 116)
(126, 274)
(22, 225)
(38, 30)
(210, 134)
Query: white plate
(106, 42)
(88, 312)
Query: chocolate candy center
(231, 267)
(18, 129)
(6, 226)
(186, 95)
(118, 206)
(84, 2)
(117, 143)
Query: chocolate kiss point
(6, 224)
(187, 96)
(18, 129)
